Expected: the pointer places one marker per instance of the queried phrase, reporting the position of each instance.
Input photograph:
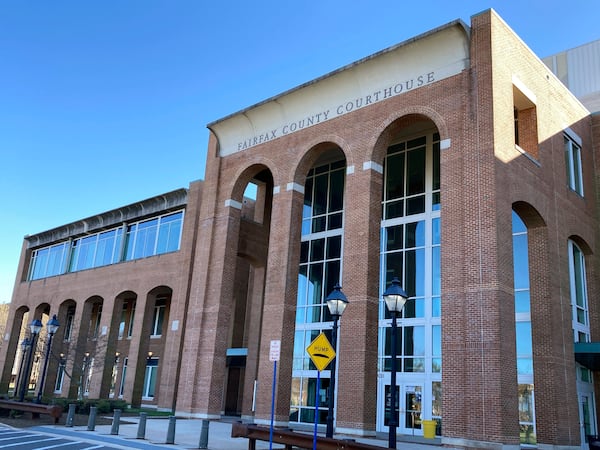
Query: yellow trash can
(429, 428)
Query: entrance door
(409, 397)
(586, 415)
(411, 409)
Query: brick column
(279, 311)
(556, 405)
(357, 353)
(201, 384)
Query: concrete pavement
(187, 436)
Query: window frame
(573, 162)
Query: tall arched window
(410, 250)
(581, 333)
(319, 271)
(578, 288)
(523, 331)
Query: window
(95, 319)
(69, 324)
(88, 370)
(405, 179)
(410, 348)
(60, 376)
(159, 317)
(48, 261)
(123, 374)
(319, 271)
(573, 164)
(581, 327)
(521, 296)
(147, 238)
(410, 250)
(150, 378)
(525, 121)
(323, 198)
(154, 236)
(113, 377)
(127, 315)
(524, 340)
(96, 250)
(527, 414)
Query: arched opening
(151, 352)
(410, 249)
(319, 270)
(121, 334)
(249, 287)
(18, 350)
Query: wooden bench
(293, 439)
(34, 408)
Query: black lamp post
(395, 297)
(81, 389)
(34, 328)
(336, 302)
(24, 347)
(52, 326)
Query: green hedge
(104, 406)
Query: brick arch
(314, 149)
(528, 214)
(245, 174)
(384, 134)
(582, 244)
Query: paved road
(187, 436)
(30, 440)
(34, 439)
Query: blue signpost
(321, 353)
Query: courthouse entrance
(409, 402)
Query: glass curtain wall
(319, 271)
(410, 250)
(523, 332)
(146, 238)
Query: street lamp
(24, 347)
(336, 302)
(34, 327)
(80, 390)
(52, 326)
(395, 297)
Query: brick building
(455, 161)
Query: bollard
(115, 423)
(71, 415)
(92, 418)
(171, 431)
(204, 435)
(141, 433)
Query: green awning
(588, 354)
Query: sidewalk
(187, 436)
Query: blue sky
(104, 103)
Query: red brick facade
(234, 283)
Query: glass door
(586, 415)
(410, 420)
(409, 397)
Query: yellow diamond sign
(321, 352)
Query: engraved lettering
(399, 87)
